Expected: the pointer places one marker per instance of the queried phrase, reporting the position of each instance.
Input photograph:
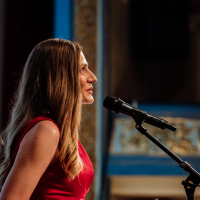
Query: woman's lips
(89, 90)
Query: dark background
(26, 24)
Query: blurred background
(145, 52)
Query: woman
(43, 157)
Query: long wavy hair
(49, 86)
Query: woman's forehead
(83, 60)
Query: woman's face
(87, 78)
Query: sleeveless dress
(54, 184)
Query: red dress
(54, 185)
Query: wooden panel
(150, 187)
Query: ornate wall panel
(128, 140)
(85, 32)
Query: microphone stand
(192, 180)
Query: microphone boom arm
(192, 180)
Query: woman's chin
(88, 100)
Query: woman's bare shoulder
(36, 152)
(45, 129)
(40, 142)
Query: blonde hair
(49, 84)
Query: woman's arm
(37, 150)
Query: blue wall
(63, 19)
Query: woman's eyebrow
(84, 64)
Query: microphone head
(109, 102)
(112, 103)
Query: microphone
(117, 105)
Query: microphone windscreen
(108, 102)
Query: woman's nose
(92, 78)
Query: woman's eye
(83, 69)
